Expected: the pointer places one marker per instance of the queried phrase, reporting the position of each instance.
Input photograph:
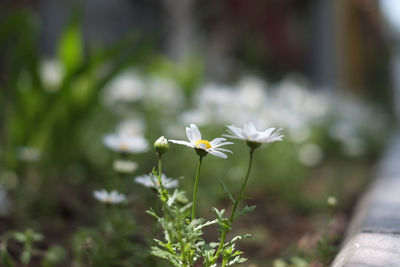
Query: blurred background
(327, 72)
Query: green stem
(195, 188)
(159, 167)
(235, 205)
(159, 175)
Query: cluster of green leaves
(50, 257)
(183, 244)
(57, 113)
(114, 242)
(227, 251)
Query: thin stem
(159, 166)
(160, 174)
(195, 188)
(235, 205)
(239, 198)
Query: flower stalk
(225, 231)
(195, 188)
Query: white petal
(217, 153)
(267, 132)
(189, 134)
(216, 141)
(196, 135)
(223, 149)
(233, 136)
(110, 141)
(223, 144)
(249, 128)
(235, 131)
(180, 142)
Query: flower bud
(161, 145)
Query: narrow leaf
(226, 191)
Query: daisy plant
(254, 139)
(184, 245)
(202, 148)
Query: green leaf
(299, 262)
(279, 263)
(236, 260)
(54, 255)
(240, 237)
(26, 257)
(20, 237)
(70, 48)
(6, 259)
(226, 191)
(201, 226)
(219, 213)
(244, 211)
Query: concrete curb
(373, 237)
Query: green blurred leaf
(20, 237)
(26, 257)
(70, 48)
(54, 254)
(6, 259)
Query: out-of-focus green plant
(49, 116)
(51, 256)
(293, 262)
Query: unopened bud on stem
(161, 145)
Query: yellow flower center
(203, 144)
(123, 146)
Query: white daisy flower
(126, 143)
(52, 73)
(112, 197)
(203, 146)
(253, 137)
(152, 181)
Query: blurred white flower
(28, 154)
(310, 154)
(214, 95)
(112, 197)
(124, 166)
(197, 116)
(249, 133)
(131, 127)
(51, 73)
(152, 181)
(126, 87)
(125, 143)
(251, 92)
(196, 142)
(332, 201)
(165, 92)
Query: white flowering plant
(183, 244)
